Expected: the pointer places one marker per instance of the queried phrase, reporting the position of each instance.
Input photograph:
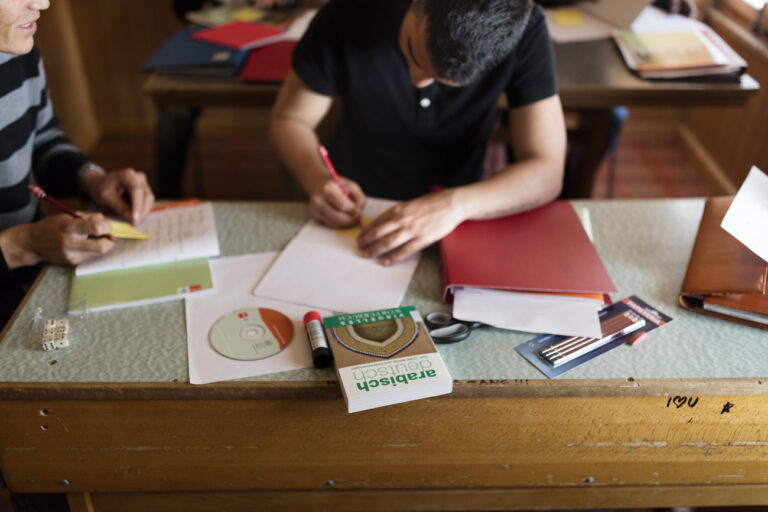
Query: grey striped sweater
(32, 148)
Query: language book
(385, 357)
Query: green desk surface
(645, 246)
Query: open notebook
(170, 264)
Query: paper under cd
(251, 333)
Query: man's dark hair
(468, 38)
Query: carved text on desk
(679, 401)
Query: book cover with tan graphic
(385, 357)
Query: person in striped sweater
(34, 151)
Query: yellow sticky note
(353, 231)
(567, 17)
(248, 14)
(125, 230)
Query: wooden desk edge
(462, 389)
(165, 91)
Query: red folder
(270, 63)
(542, 250)
(242, 35)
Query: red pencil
(335, 175)
(329, 165)
(43, 195)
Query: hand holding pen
(339, 201)
(64, 239)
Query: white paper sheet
(233, 292)
(652, 19)
(179, 233)
(322, 267)
(550, 314)
(747, 217)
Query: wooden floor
(230, 167)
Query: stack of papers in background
(169, 265)
(183, 55)
(694, 52)
(536, 271)
(670, 46)
(221, 15)
(653, 43)
(256, 51)
(271, 45)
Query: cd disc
(251, 333)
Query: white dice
(55, 334)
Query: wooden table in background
(592, 79)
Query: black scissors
(445, 329)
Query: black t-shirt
(395, 140)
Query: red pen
(43, 195)
(335, 175)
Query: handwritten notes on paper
(322, 268)
(176, 234)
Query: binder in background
(541, 250)
(243, 35)
(725, 279)
(183, 55)
(270, 63)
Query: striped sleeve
(32, 147)
(55, 159)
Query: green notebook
(140, 285)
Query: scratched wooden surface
(481, 447)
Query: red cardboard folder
(242, 35)
(542, 250)
(270, 63)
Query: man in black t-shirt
(418, 83)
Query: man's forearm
(296, 146)
(519, 187)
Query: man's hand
(408, 227)
(57, 239)
(329, 205)
(125, 191)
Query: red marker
(335, 175)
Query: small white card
(747, 218)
